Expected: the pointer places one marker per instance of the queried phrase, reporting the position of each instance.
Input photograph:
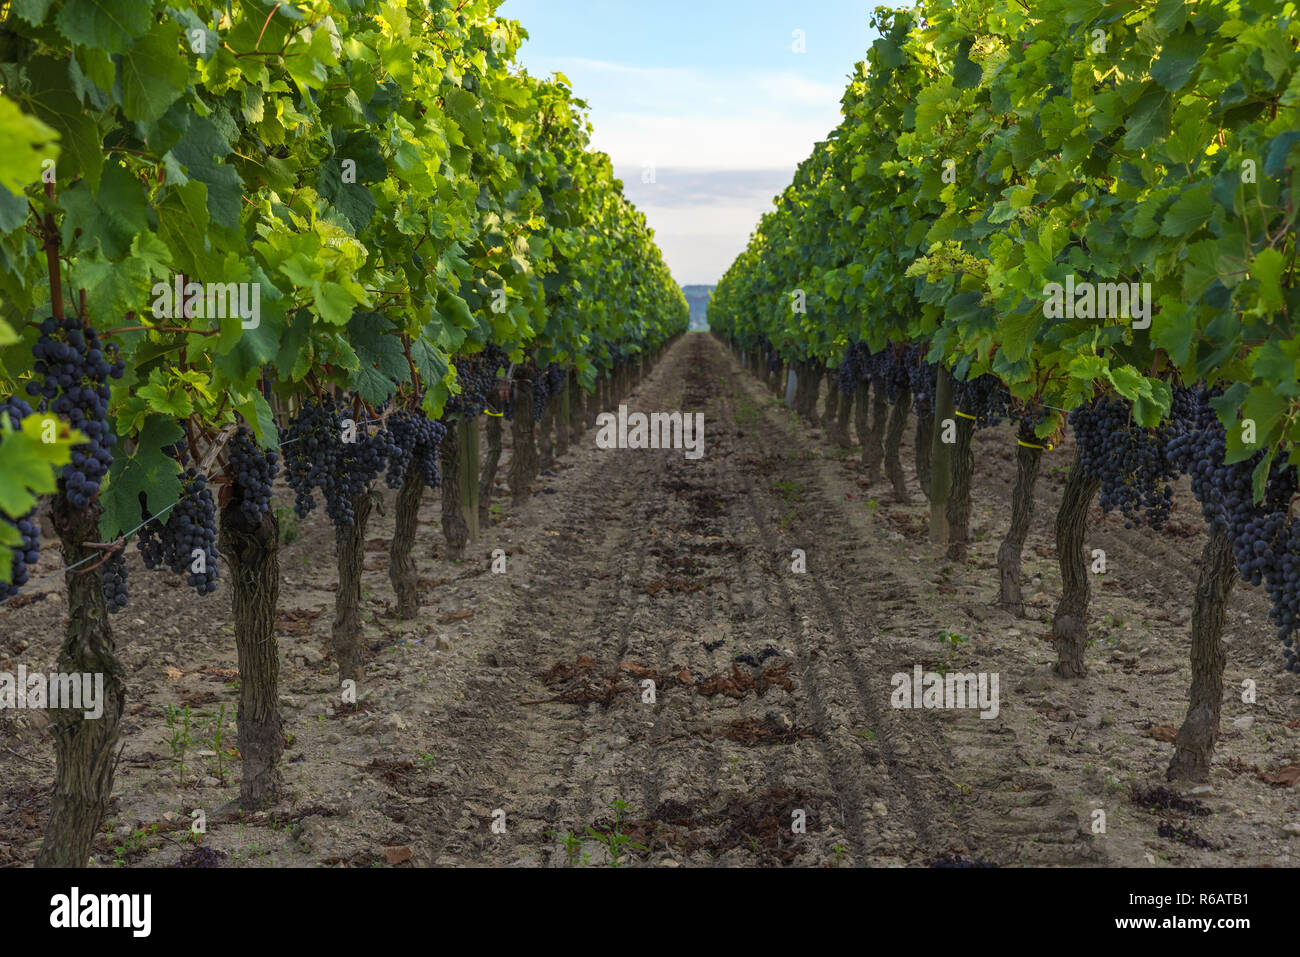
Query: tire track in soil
(648, 757)
(715, 776)
(834, 767)
(673, 760)
(553, 739)
(1007, 811)
(865, 692)
(843, 766)
(700, 483)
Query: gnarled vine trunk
(563, 411)
(1028, 459)
(523, 458)
(831, 410)
(924, 438)
(545, 439)
(454, 527)
(487, 475)
(350, 545)
(401, 565)
(252, 555)
(810, 380)
(595, 403)
(85, 749)
(873, 451)
(577, 411)
(1194, 743)
(963, 468)
(893, 439)
(861, 408)
(842, 438)
(941, 459)
(1070, 623)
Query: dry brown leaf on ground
(397, 855)
(1286, 777)
(1163, 732)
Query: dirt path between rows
(512, 723)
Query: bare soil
(510, 724)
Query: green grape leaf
(1189, 212)
(154, 75)
(201, 142)
(28, 463)
(28, 143)
(146, 470)
(383, 363)
(1178, 59)
(107, 24)
(1266, 269)
(54, 101)
(33, 11)
(1279, 151)
(114, 214)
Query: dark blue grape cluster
(477, 375)
(317, 457)
(1265, 538)
(416, 438)
(253, 471)
(546, 384)
(922, 379)
(557, 376)
(1131, 462)
(855, 367)
(308, 445)
(113, 579)
(72, 371)
(541, 392)
(984, 397)
(771, 356)
(888, 369)
(956, 859)
(25, 555)
(189, 530)
(28, 552)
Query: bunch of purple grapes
(477, 375)
(416, 439)
(984, 397)
(888, 369)
(922, 379)
(72, 372)
(1265, 537)
(325, 449)
(541, 394)
(1132, 463)
(852, 368)
(253, 470)
(186, 541)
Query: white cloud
(700, 244)
(756, 141)
(723, 142)
(690, 117)
(702, 219)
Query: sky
(705, 107)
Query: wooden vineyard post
(941, 460)
(467, 475)
(563, 419)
